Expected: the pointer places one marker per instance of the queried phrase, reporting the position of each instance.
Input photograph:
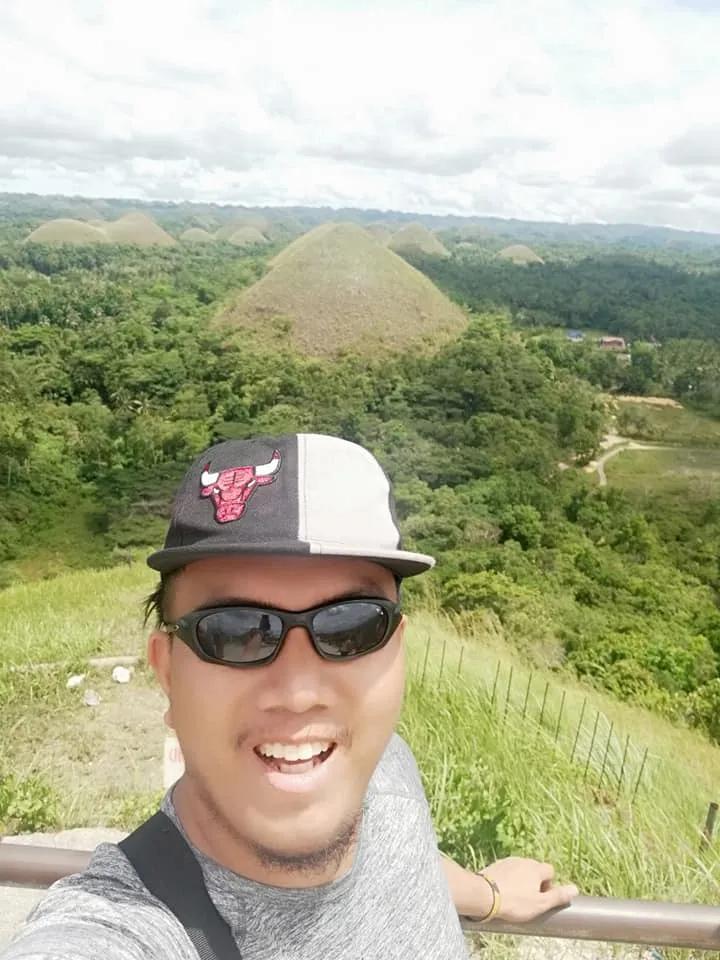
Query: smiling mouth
(295, 760)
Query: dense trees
(113, 376)
(628, 295)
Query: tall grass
(74, 617)
(501, 783)
(504, 749)
(689, 474)
(674, 425)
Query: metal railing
(587, 918)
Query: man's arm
(525, 886)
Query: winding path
(624, 444)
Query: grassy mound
(255, 220)
(67, 231)
(415, 238)
(205, 222)
(286, 229)
(138, 229)
(339, 288)
(197, 235)
(519, 253)
(380, 232)
(247, 237)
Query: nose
(298, 679)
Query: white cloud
(561, 109)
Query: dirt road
(613, 445)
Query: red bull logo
(231, 489)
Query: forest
(113, 375)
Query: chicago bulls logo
(231, 489)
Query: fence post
(622, 765)
(707, 835)
(442, 660)
(527, 695)
(642, 768)
(592, 744)
(495, 682)
(425, 662)
(579, 728)
(460, 660)
(605, 755)
(542, 709)
(559, 719)
(507, 692)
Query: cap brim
(402, 562)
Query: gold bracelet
(495, 908)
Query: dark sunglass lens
(350, 629)
(239, 636)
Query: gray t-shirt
(393, 904)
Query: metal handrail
(693, 926)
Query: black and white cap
(297, 494)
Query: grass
(97, 761)
(138, 229)
(519, 253)
(514, 759)
(416, 238)
(674, 425)
(256, 221)
(380, 233)
(74, 617)
(533, 794)
(197, 235)
(340, 289)
(688, 474)
(67, 231)
(247, 237)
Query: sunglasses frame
(186, 628)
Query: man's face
(225, 718)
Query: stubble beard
(323, 860)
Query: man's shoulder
(397, 772)
(103, 912)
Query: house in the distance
(612, 343)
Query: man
(279, 646)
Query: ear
(159, 654)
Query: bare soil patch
(650, 401)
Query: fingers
(546, 872)
(560, 896)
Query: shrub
(27, 806)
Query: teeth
(293, 751)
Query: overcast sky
(601, 110)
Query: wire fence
(608, 758)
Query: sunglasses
(245, 636)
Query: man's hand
(526, 888)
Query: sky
(562, 110)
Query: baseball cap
(297, 494)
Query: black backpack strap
(170, 870)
